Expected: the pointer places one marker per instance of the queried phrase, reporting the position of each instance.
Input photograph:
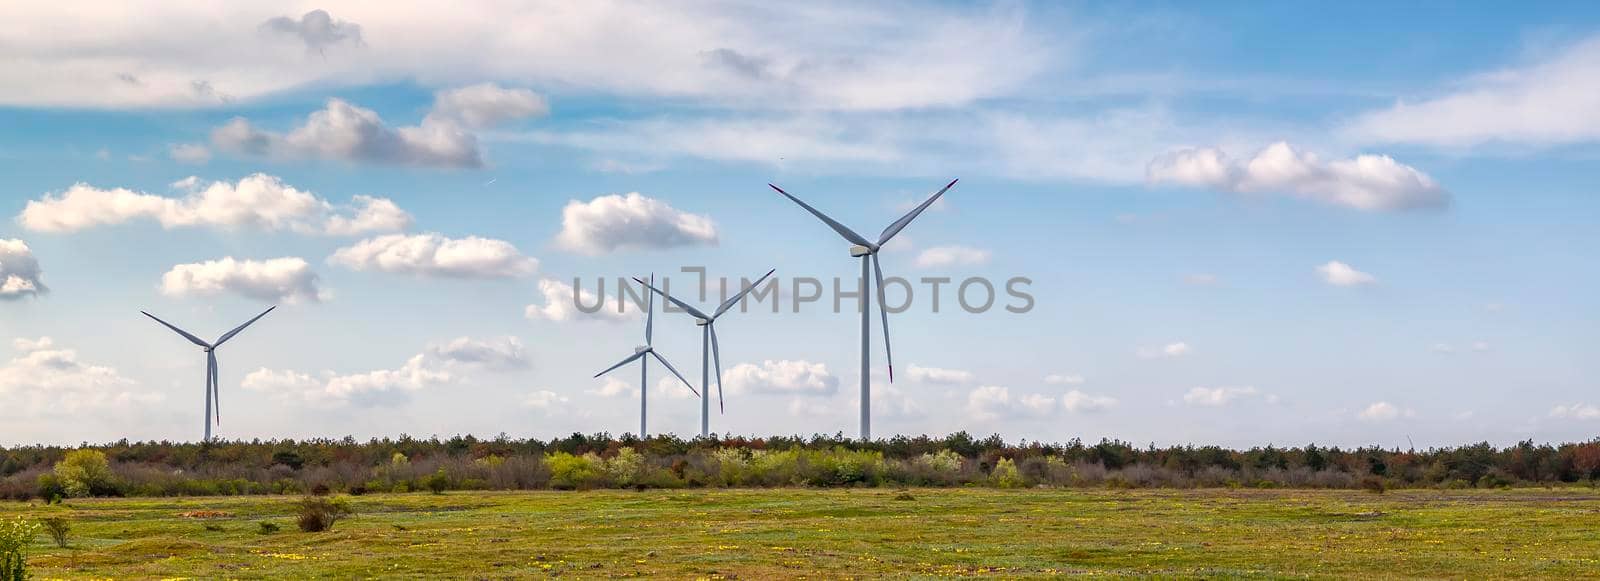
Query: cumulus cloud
(611, 223)
(1384, 411)
(433, 255)
(612, 387)
(345, 132)
(992, 402)
(19, 271)
(1063, 379)
(257, 201)
(437, 365)
(44, 378)
(1340, 274)
(1169, 350)
(1552, 102)
(287, 279)
(1218, 396)
(317, 29)
(545, 400)
(783, 377)
(944, 256)
(1365, 182)
(936, 375)
(561, 304)
(1577, 411)
(1079, 402)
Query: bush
(1006, 475)
(50, 488)
(318, 513)
(1373, 484)
(568, 472)
(438, 482)
(86, 473)
(15, 536)
(267, 528)
(58, 528)
(624, 469)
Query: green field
(838, 533)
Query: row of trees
(599, 460)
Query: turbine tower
(644, 364)
(708, 345)
(212, 390)
(867, 251)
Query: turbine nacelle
(858, 250)
(699, 322)
(641, 349)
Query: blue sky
(1243, 225)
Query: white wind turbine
(644, 364)
(867, 251)
(708, 345)
(212, 387)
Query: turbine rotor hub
(858, 251)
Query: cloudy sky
(1242, 224)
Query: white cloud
(19, 271)
(1077, 401)
(317, 29)
(781, 377)
(771, 56)
(613, 387)
(936, 375)
(1218, 396)
(561, 303)
(190, 153)
(1365, 182)
(545, 400)
(434, 255)
(497, 353)
(992, 402)
(1340, 274)
(611, 223)
(256, 201)
(1169, 350)
(1384, 411)
(670, 387)
(889, 401)
(1553, 102)
(487, 105)
(1063, 379)
(1577, 411)
(1480, 346)
(345, 132)
(45, 379)
(437, 365)
(287, 279)
(944, 256)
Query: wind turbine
(867, 251)
(644, 364)
(708, 345)
(212, 383)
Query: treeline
(601, 461)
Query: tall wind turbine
(867, 251)
(708, 345)
(644, 364)
(212, 387)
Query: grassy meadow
(836, 533)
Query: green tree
(86, 473)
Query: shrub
(568, 472)
(86, 473)
(624, 468)
(318, 513)
(1373, 484)
(267, 528)
(50, 488)
(1006, 475)
(15, 536)
(58, 528)
(438, 482)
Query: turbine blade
(229, 335)
(888, 354)
(674, 371)
(650, 311)
(900, 224)
(211, 388)
(716, 358)
(216, 386)
(847, 233)
(622, 363)
(186, 335)
(681, 304)
(728, 304)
